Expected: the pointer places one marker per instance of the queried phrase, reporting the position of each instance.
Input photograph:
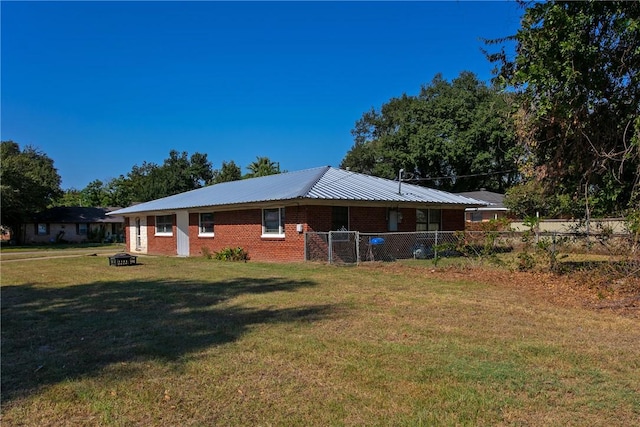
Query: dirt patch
(617, 292)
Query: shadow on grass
(53, 334)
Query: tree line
(557, 129)
(30, 183)
(177, 174)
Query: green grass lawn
(190, 341)
(57, 250)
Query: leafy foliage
(576, 75)
(447, 133)
(262, 166)
(178, 174)
(530, 199)
(232, 254)
(228, 172)
(29, 182)
(149, 181)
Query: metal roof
(77, 214)
(494, 201)
(323, 183)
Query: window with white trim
(206, 224)
(273, 222)
(164, 225)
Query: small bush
(232, 254)
(526, 262)
(206, 252)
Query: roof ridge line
(305, 191)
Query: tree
(262, 166)
(228, 172)
(70, 197)
(119, 190)
(455, 136)
(576, 74)
(29, 183)
(95, 194)
(528, 199)
(142, 182)
(178, 174)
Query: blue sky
(102, 86)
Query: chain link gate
(334, 247)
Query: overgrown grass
(177, 341)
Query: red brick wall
(452, 219)
(162, 245)
(318, 218)
(408, 220)
(364, 219)
(243, 228)
(368, 220)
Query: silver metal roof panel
(323, 183)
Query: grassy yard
(196, 342)
(57, 250)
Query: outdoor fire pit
(122, 259)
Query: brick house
(493, 210)
(73, 224)
(268, 216)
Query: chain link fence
(352, 247)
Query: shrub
(206, 252)
(232, 254)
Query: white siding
(182, 228)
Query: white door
(182, 224)
(393, 220)
(138, 235)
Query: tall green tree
(178, 173)
(29, 183)
(455, 136)
(119, 190)
(262, 166)
(95, 194)
(576, 74)
(114, 193)
(69, 197)
(228, 172)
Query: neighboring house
(74, 225)
(268, 216)
(494, 208)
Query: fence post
(357, 237)
(435, 246)
(330, 248)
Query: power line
(459, 176)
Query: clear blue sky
(102, 86)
